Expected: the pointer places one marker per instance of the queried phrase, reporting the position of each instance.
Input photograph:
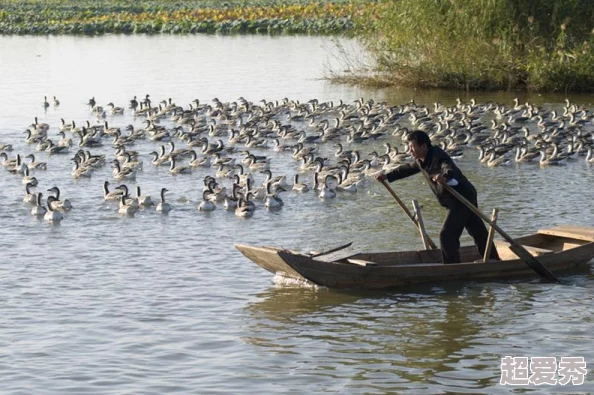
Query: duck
(133, 103)
(17, 167)
(258, 165)
(224, 171)
(348, 185)
(143, 200)
(327, 192)
(229, 162)
(280, 148)
(28, 179)
(495, 161)
(231, 201)
(64, 141)
(590, 156)
(163, 206)
(42, 144)
(62, 205)
(243, 177)
(88, 139)
(132, 202)
(244, 209)
(131, 163)
(38, 210)
(299, 186)
(67, 127)
(121, 141)
(157, 159)
(552, 160)
(29, 197)
(120, 173)
(52, 215)
(93, 160)
(113, 131)
(278, 181)
(40, 126)
(31, 138)
(523, 156)
(174, 153)
(125, 208)
(8, 163)
(206, 204)
(258, 193)
(214, 192)
(180, 169)
(111, 195)
(80, 171)
(33, 165)
(53, 149)
(5, 147)
(112, 109)
(205, 161)
(272, 199)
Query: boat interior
(545, 241)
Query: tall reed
(545, 45)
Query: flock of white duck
(234, 140)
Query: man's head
(418, 143)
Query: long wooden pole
(420, 224)
(408, 213)
(490, 236)
(514, 246)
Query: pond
(154, 304)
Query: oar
(516, 247)
(409, 214)
(342, 247)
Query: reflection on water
(427, 340)
(157, 304)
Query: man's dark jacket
(437, 161)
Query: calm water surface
(164, 304)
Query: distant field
(43, 17)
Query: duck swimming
(111, 195)
(272, 199)
(244, 209)
(125, 207)
(206, 204)
(163, 206)
(29, 197)
(299, 186)
(327, 192)
(38, 210)
(57, 204)
(51, 215)
(143, 200)
(33, 165)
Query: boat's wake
(281, 280)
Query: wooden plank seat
(504, 251)
(360, 262)
(570, 231)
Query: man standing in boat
(439, 169)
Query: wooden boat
(558, 248)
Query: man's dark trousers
(458, 218)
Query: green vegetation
(90, 17)
(545, 45)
